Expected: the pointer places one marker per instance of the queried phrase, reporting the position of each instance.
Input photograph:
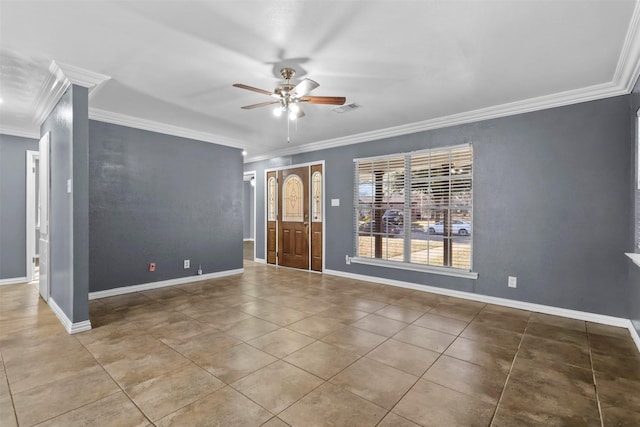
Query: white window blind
(416, 208)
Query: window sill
(635, 258)
(414, 267)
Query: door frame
(31, 207)
(324, 210)
(254, 175)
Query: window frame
(406, 263)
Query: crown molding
(60, 77)
(628, 67)
(79, 76)
(153, 126)
(24, 132)
(575, 96)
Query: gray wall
(159, 198)
(13, 210)
(551, 204)
(247, 216)
(68, 226)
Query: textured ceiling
(407, 63)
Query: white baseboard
(546, 309)
(634, 334)
(72, 328)
(248, 240)
(260, 260)
(13, 281)
(161, 284)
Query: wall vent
(346, 108)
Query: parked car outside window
(459, 227)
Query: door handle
(306, 223)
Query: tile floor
(278, 347)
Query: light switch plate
(335, 202)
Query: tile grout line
(593, 374)
(436, 360)
(513, 362)
(6, 377)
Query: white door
(44, 215)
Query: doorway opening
(33, 216)
(249, 216)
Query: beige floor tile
(222, 319)
(225, 407)
(281, 343)
(329, 405)
(619, 417)
(430, 404)
(448, 325)
(521, 405)
(201, 345)
(277, 386)
(563, 322)
(316, 326)
(612, 331)
(39, 403)
(473, 380)
(554, 379)
(354, 340)
(554, 351)
(393, 420)
(425, 338)
(275, 422)
(487, 355)
(322, 359)
(115, 410)
(345, 314)
(129, 371)
(618, 392)
(605, 344)
(465, 311)
(7, 414)
(556, 333)
(235, 362)
(251, 328)
(402, 314)
(169, 392)
(385, 388)
(283, 316)
(501, 321)
(379, 325)
(493, 336)
(617, 366)
(406, 357)
(183, 328)
(30, 373)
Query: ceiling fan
(289, 96)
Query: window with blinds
(415, 208)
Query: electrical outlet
(187, 263)
(347, 259)
(152, 266)
(513, 282)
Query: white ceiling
(411, 65)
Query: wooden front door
(293, 217)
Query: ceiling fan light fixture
(277, 111)
(292, 115)
(294, 108)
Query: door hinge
(33, 169)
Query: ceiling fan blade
(262, 104)
(331, 100)
(253, 89)
(304, 87)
